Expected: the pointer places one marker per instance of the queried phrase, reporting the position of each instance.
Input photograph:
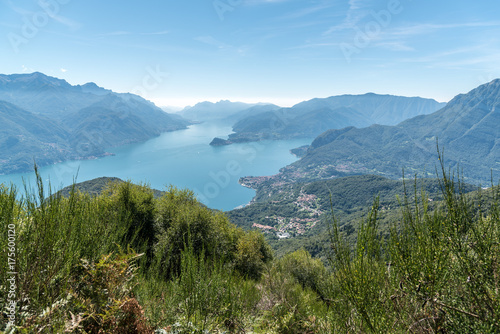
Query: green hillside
(97, 187)
(127, 262)
(304, 210)
(467, 128)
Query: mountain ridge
(207, 111)
(310, 118)
(467, 129)
(85, 120)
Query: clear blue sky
(280, 51)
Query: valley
(46, 120)
(347, 189)
(260, 167)
(175, 158)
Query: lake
(182, 158)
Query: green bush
(206, 296)
(437, 272)
(252, 253)
(182, 220)
(135, 207)
(99, 300)
(309, 273)
(288, 307)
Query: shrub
(287, 306)
(437, 272)
(309, 272)
(182, 220)
(134, 206)
(252, 253)
(99, 300)
(205, 296)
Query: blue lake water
(182, 158)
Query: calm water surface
(181, 158)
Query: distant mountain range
(310, 118)
(468, 129)
(48, 120)
(223, 110)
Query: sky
(178, 53)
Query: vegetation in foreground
(304, 210)
(127, 262)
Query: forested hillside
(467, 129)
(297, 215)
(127, 262)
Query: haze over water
(181, 158)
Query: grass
(127, 262)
